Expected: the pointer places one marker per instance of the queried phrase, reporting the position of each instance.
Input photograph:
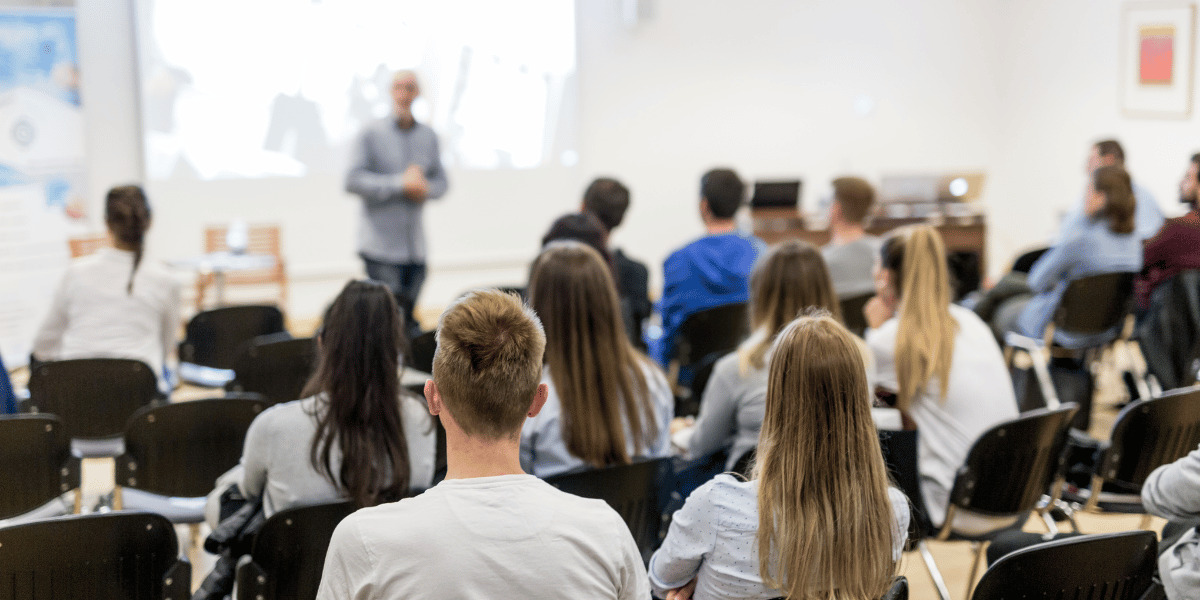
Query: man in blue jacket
(713, 270)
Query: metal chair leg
(978, 547)
(934, 574)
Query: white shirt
(93, 315)
(277, 464)
(544, 451)
(714, 538)
(980, 395)
(511, 536)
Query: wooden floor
(953, 558)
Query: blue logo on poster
(56, 192)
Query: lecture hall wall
(774, 88)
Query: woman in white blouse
(940, 359)
(608, 404)
(819, 516)
(113, 304)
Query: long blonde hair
(596, 371)
(791, 278)
(824, 518)
(925, 339)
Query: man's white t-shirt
(511, 536)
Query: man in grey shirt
(850, 253)
(395, 167)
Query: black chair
(94, 397)
(1146, 435)
(175, 453)
(115, 556)
(420, 351)
(1116, 566)
(1024, 262)
(900, 456)
(214, 337)
(276, 366)
(1169, 334)
(38, 465)
(852, 312)
(288, 553)
(898, 591)
(1007, 475)
(632, 491)
(689, 405)
(1090, 306)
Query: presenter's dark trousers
(405, 281)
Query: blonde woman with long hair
(608, 404)
(819, 519)
(940, 359)
(789, 279)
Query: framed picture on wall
(1158, 59)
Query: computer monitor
(776, 194)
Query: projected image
(280, 88)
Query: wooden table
(960, 234)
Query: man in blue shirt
(1148, 217)
(713, 270)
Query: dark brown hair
(127, 215)
(596, 371)
(358, 374)
(607, 199)
(1111, 148)
(1119, 201)
(855, 196)
(488, 362)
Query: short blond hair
(488, 362)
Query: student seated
(1105, 243)
(711, 271)
(607, 199)
(850, 252)
(789, 279)
(113, 304)
(488, 530)
(1173, 493)
(355, 435)
(1176, 247)
(818, 518)
(608, 404)
(939, 359)
(1147, 215)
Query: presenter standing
(395, 167)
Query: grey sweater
(1173, 492)
(731, 411)
(390, 227)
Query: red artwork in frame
(1156, 54)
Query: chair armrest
(251, 580)
(1041, 369)
(1022, 342)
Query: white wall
(1016, 87)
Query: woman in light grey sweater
(1173, 492)
(354, 436)
(788, 280)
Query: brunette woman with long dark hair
(113, 303)
(355, 435)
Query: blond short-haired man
(489, 530)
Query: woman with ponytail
(818, 520)
(114, 304)
(355, 436)
(938, 358)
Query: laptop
(776, 194)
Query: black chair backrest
(1150, 433)
(288, 553)
(1013, 464)
(1095, 304)
(716, 330)
(632, 491)
(898, 591)
(1114, 566)
(120, 555)
(276, 366)
(1025, 262)
(93, 396)
(852, 312)
(181, 449)
(38, 466)
(1169, 333)
(420, 351)
(214, 337)
(900, 456)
